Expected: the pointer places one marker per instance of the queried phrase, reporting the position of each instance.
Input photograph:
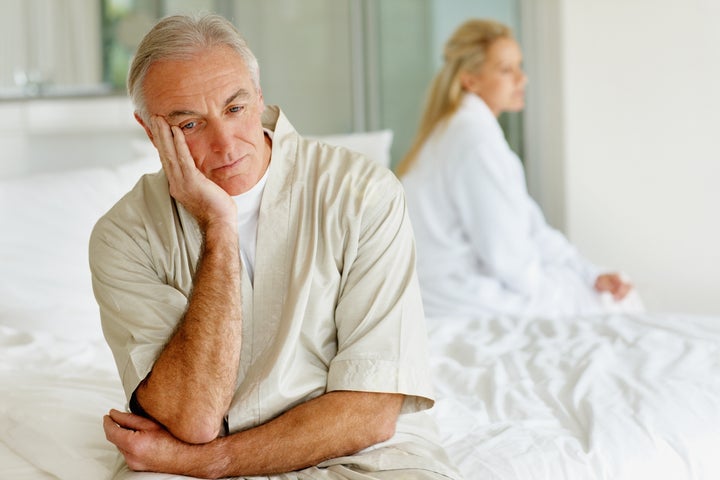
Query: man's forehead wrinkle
(240, 94)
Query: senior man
(259, 292)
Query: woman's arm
(492, 202)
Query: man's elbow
(188, 426)
(380, 428)
(385, 429)
(385, 417)
(195, 433)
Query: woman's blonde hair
(465, 51)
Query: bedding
(603, 397)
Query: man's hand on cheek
(205, 200)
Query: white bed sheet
(607, 397)
(614, 397)
(53, 394)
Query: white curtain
(51, 42)
(13, 50)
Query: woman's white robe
(483, 244)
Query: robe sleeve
(555, 248)
(139, 309)
(382, 342)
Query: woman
(483, 243)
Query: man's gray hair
(181, 37)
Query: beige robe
(335, 303)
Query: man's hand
(146, 445)
(205, 200)
(614, 284)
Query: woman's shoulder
(469, 133)
(473, 117)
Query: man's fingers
(174, 151)
(130, 421)
(123, 438)
(164, 143)
(114, 432)
(182, 153)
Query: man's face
(213, 100)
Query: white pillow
(375, 145)
(46, 221)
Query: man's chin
(236, 185)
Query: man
(258, 293)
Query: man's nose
(221, 138)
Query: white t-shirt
(248, 208)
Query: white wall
(637, 135)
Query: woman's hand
(614, 283)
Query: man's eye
(236, 109)
(187, 126)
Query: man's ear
(148, 132)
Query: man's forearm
(330, 426)
(192, 382)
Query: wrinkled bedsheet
(607, 397)
(611, 397)
(53, 394)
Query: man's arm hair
(191, 384)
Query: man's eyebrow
(240, 94)
(181, 113)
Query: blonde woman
(483, 244)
